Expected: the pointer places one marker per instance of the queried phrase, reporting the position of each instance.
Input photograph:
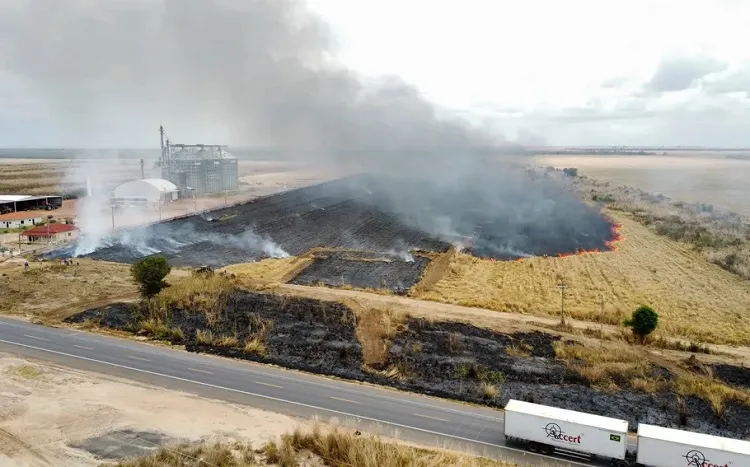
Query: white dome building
(148, 190)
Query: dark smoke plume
(262, 68)
(265, 70)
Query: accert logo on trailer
(553, 430)
(697, 459)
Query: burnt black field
(445, 359)
(504, 220)
(363, 270)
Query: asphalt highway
(411, 417)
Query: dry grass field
(49, 177)
(55, 176)
(51, 291)
(271, 270)
(310, 448)
(613, 366)
(686, 290)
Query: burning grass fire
(379, 218)
(610, 245)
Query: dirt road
(52, 416)
(481, 317)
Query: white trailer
(546, 429)
(667, 447)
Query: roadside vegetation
(149, 274)
(310, 448)
(613, 366)
(215, 313)
(51, 290)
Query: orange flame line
(611, 245)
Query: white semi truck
(547, 429)
(666, 447)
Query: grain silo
(198, 168)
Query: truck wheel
(533, 447)
(547, 449)
(621, 463)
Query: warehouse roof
(161, 184)
(164, 186)
(50, 229)
(17, 198)
(12, 198)
(19, 216)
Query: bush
(571, 172)
(149, 274)
(643, 322)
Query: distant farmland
(716, 178)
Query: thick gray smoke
(264, 70)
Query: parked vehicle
(547, 429)
(666, 447)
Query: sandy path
(44, 409)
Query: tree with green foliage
(149, 274)
(643, 322)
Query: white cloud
(681, 73)
(573, 72)
(580, 64)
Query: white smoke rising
(95, 174)
(404, 255)
(401, 251)
(90, 172)
(252, 241)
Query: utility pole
(113, 216)
(161, 133)
(158, 203)
(562, 286)
(601, 320)
(225, 197)
(195, 202)
(143, 172)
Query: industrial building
(198, 169)
(146, 191)
(15, 203)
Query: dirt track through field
(480, 317)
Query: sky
(579, 72)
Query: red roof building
(52, 233)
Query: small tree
(149, 274)
(643, 322)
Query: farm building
(51, 233)
(15, 220)
(15, 203)
(148, 190)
